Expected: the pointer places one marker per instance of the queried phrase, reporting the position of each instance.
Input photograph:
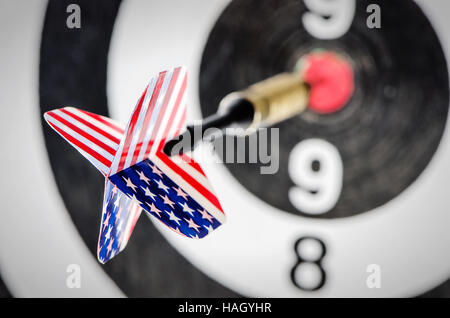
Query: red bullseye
(331, 80)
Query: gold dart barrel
(274, 99)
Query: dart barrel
(274, 99)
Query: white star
(130, 184)
(186, 208)
(116, 203)
(114, 190)
(156, 170)
(106, 221)
(154, 209)
(209, 228)
(133, 197)
(167, 200)
(143, 177)
(205, 215)
(162, 186)
(149, 193)
(108, 234)
(180, 192)
(192, 224)
(111, 242)
(172, 217)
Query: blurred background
(358, 208)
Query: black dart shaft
(239, 113)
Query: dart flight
(138, 174)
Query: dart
(322, 81)
(138, 175)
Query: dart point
(331, 79)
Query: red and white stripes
(96, 137)
(159, 114)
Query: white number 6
(317, 190)
(328, 19)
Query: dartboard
(357, 191)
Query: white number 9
(318, 188)
(328, 19)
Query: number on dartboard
(315, 166)
(328, 19)
(308, 273)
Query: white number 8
(328, 19)
(317, 190)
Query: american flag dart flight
(138, 174)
